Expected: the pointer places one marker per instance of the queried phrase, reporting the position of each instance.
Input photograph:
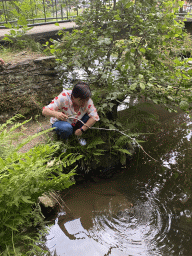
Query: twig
(116, 130)
(178, 88)
(54, 197)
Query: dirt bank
(31, 128)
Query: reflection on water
(100, 219)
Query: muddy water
(145, 209)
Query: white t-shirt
(63, 103)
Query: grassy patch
(13, 55)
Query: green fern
(24, 177)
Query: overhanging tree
(129, 47)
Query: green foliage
(25, 9)
(24, 177)
(17, 40)
(127, 48)
(20, 12)
(184, 105)
(104, 148)
(90, 153)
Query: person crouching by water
(69, 106)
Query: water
(80, 74)
(145, 209)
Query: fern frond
(125, 151)
(70, 159)
(11, 121)
(95, 142)
(30, 138)
(122, 139)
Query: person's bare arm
(88, 124)
(52, 113)
(2, 62)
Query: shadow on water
(100, 219)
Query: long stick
(116, 130)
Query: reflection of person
(98, 201)
(76, 103)
(2, 62)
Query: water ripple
(137, 229)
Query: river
(144, 209)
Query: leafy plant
(16, 37)
(126, 51)
(28, 9)
(19, 13)
(24, 177)
(105, 148)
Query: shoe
(82, 142)
(63, 150)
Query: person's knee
(68, 129)
(64, 129)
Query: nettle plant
(126, 49)
(24, 177)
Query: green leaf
(10, 226)
(6, 38)
(26, 199)
(155, 101)
(56, 24)
(117, 17)
(12, 32)
(125, 151)
(97, 154)
(142, 86)
(142, 50)
(184, 105)
(176, 175)
(150, 85)
(169, 97)
(111, 126)
(2, 234)
(52, 51)
(8, 25)
(133, 86)
(107, 41)
(128, 5)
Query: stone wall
(27, 86)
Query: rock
(50, 199)
(42, 59)
(47, 201)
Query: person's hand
(78, 132)
(2, 62)
(61, 116)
